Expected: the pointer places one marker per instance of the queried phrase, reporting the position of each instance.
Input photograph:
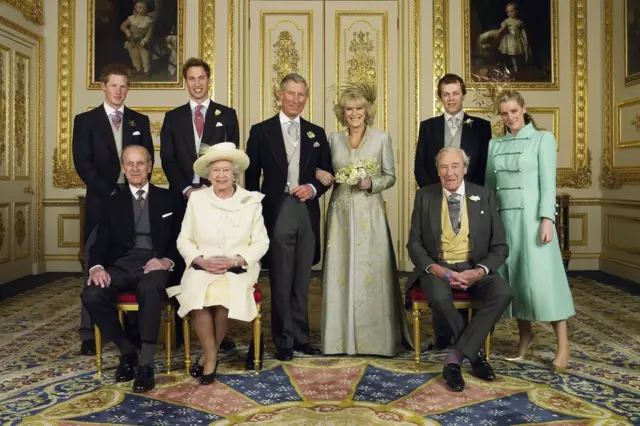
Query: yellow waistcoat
(455, 248)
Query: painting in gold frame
(146, 35)
(518, 36)
(632, 42)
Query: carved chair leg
(186, 334)
(257, 347)
(168, 330)
(98, 337)
(416, 336)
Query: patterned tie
(117, 119)
(140, 199)
(454, 122)
(293, 130)
(198, 120)
(454, 211)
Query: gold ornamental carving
(20, 112)
(3, 107)
(636, 122)
(32, 10)
(156, 127)
(440, 48)
(207, 12)
(1, 230)
(362, 64)
(287, 59)
(20, 227)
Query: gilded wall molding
(21, 117)
(628, 220)
(5, 76)
(4, 234)
(440, 48)
(612, 176)
(22, 230)
(62, 243)
(32, 10)
(231, 51)
(207, 31)
(416, 71)
(584, 225)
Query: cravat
(454, 211)
(198, 120)
(454, 122)
(140, 198)
(293, 130)
(117, 119)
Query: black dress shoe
(482, 369)
(307, 349)
(144, 380)
(196, 369)
(249, 362)
(126, 367)
(207, 379)
(284, 354)
(88, 347)
(453, 377)
(227, 344)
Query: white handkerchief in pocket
(167, 215)
(218, 124)
(136, 133)
(317, 144)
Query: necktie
(454, 211)
(293, 130)
(117, 119)
(198, 120)
(453, 124)
(140, 199)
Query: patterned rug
(44, 381)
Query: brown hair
(195, 62)
(512, 95)
(114, 69)
(451, 79)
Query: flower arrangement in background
(486, 97)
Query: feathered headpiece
(359, 89)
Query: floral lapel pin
(245, 200)
(468, 122)
(217, 113)
(311, 135)
(474, 198)
(132, 123)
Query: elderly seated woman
(222, 240)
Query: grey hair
(142, 148)
(465, 157)
(296, 78)
(236, 170)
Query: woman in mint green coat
(521, 169)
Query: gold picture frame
(494, 40)
(155, 64)
(631, 42)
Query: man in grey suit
(457, 243)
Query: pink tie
(117, 119)
(198, 120)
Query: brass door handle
(29, 190)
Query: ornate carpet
(44, 381)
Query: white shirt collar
(111, 111)
(285, 119)
(460, 115)
(193, 104)
(460, 190)
(134, 190)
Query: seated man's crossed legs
(151, 297)
(468, 339)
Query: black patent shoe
(307, 349)
(196, 369)
(481, 368)
(207, 379)
(126, 367)
(453, 376)
(145, 380)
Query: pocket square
(218, 124)
(167, 215)
(317, 144)
(136, 133)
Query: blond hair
(511, 95)
(363, 94)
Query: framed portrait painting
(632, 42)
(518, 39)
(145, 35)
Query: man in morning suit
(186, 128)
(457, 243)
(135, 251)
(453, 128)
(99, 136)
(287, 150)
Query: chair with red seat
(257, 330)
(126, 302)
(420, 303)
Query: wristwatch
(447, 276)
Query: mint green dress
(522, 171)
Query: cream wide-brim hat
(220, 151)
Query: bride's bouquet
(354, 173)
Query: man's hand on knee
(99, 277)
(157, 265)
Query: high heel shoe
(207, 379)
(196, 369)
(522, 357)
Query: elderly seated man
(135, 250)
(457, 242)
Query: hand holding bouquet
(354, 173)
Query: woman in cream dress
(222, 240)
(362, 310)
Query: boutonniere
(468, 122)
(217, 113)
(311, 135)
(474, 198)
(245, 200)
(132, 123)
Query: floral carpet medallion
(43, 381)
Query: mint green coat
(522, 171)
